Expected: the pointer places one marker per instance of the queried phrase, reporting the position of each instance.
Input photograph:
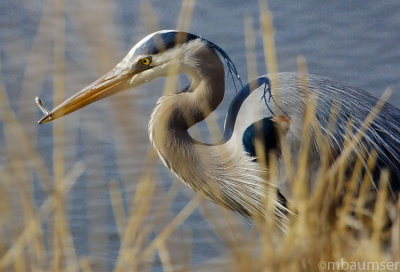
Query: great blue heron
(228, 172)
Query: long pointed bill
(109, 84)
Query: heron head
(161, 53)
(158, 54)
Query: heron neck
(175, 114)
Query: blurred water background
(356, 42)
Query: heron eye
(145, 61)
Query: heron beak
(114, 81)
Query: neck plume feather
(223, 173)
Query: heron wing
(383, 135)
(253, 103)
(350, 103)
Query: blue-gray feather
(383, 135)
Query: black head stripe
(163, 41)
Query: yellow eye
(145, 61)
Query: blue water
(356, 42)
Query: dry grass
(36, 237)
